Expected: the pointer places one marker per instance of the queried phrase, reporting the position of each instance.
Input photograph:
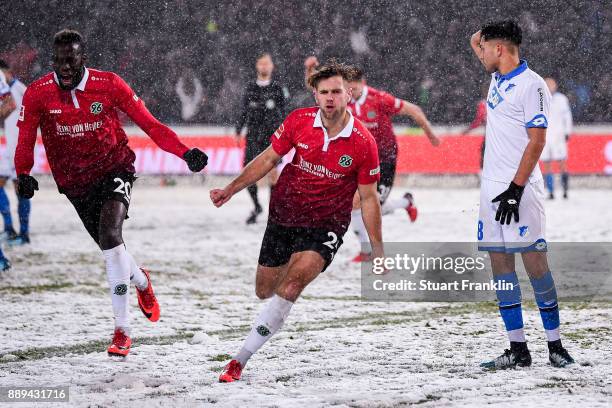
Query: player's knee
(290, 290)
(110, 237)
(2, 182)
(263, 292)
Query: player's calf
(267, 279)
(546, 298)
(270, 320)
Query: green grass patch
(220, 357)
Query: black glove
(26, 185)
(196, 159)
(567, 138)
(509, 202)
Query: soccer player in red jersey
(310, 208)
(375, 109)
(480, 119)
(91, 162)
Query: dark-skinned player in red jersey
(92, 164)
(310, 207)
(375, 109)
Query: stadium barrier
(590, 152)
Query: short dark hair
(68, 37)
(330, 69)
(508, 30)
(4, 65)
(262, 54)
(356, 74)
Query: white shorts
(526, 235)
(7, 167)
(555, 148)
(7, 156)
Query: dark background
(417, 50)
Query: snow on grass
(333, 350)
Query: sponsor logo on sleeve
(279, 131)
(135, 98)
(539, 121)
(22, 113)
(375, 171)
(541, 94)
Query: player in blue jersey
(511, 218)
(11, 95)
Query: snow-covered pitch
(333, 350)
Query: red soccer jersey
(316, 189)
(81, 131)
(375, 109)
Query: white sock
(553, 335)
(517, 335)
(391, 205)
(269, 321)
(360, 229)
(118, 275)
(137, 277)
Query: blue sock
(565, 181)
(550, 182)
(546, 298)
(5, 210)
(2, 254)
(23, 208)
(509, 301)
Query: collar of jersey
(346, 132)
(364, 95)
(516, 71)
(81, 85)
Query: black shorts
(280, 242)
(114, 186)
(387, 177)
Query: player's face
(264, 66)
(332, 96)
(491, 51)
(356, 88)
(68, 63)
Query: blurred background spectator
(189, 60)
